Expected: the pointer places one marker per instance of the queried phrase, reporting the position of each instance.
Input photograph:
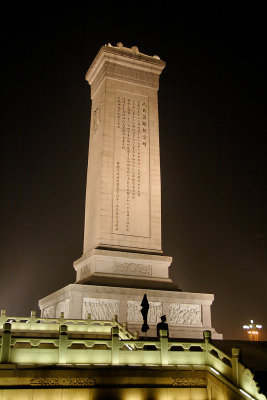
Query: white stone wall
(123, 195)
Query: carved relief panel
(48, 312)
(63, 306)
(185, 314)
(100, 309)
(134, 312)
(132, 269)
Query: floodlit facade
(86, 344)
(59, 358)
(122, 254)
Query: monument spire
(123, 194)
(123, 184)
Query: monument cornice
(124, 73)
(146, 257)
(126, 64)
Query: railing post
(63, 344)
(207, 337)
(33, 317)
(164, 347)
(235, 374)
(61, 318)
(115, 355)
(2, 316)
(5, 345)
(115, 318)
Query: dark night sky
(213, 123)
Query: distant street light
(253, 330)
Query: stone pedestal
(124, 269)
(188, 314)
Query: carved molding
(89, 343)
(247, 382)
(100, 309)
(63, 306)
(63, 381)
(134, 314)
(189, 382)
(35, 342)
(96, 118)
(248, 375)
(133, 269)
(139, 345)
(115, 71)
(84, 272)
(48, 312)
(185, 314)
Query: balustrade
(60, 341)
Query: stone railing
(83, 326)
(85, 342)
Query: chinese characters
(131, 165)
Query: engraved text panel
(131, 166)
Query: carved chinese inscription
(96, 119)
(131, 166)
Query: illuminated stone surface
(123, 194)
(86, 359)
(123, 188)
(122, 255)
(188, 314)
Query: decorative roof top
(133, 49)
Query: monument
(122, 255)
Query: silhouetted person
(144, 312)
(162, 326)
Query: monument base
(188, 314)
(127, 269)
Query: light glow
(64, 364)
(101, 364)
(83, 365)
(253, 330)
(135, 365)
(26, 364)
(246, 394)
(215, 371)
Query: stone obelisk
(122, 232)
(122, 255)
